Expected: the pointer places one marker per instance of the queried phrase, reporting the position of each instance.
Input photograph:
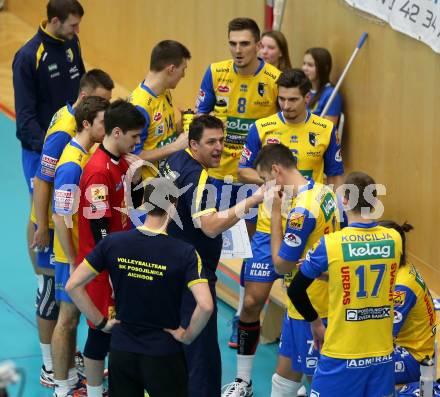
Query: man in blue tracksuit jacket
(46, 74)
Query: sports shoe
(233, 339)
(80, 390)
(46, 377)
(302, 392)
(238, 388)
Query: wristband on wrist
(102, 324)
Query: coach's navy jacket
(46, 75)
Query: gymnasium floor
(18, 332)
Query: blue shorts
(46, 259)
(229, 194)
(62, 274)
(406, 367)
(260, 267)
(30, 161)
(297, 344)
(372, 377)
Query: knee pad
(282, 387)
(97, 345)
(47, 308)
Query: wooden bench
(228, 291)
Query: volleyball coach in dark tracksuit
(200, 224)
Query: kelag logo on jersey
(365, 251)
(241, 126)
(261, 89)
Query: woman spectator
(317, 65)
(274, 50)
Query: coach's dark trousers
(132, 373)
(203, 354)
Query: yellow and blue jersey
(315, 212)
(61, 130)
(312, 142)
(67, 175)
(362, 261)
(248, 98)
(197, 199)
(335, 108)
(414, 314)
(160, 125)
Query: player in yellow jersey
(153, 99)
(89, 117)
(362, 262)
(312, 140)
(415, 321)
(312, 211)
(61, 130)
(248, 86)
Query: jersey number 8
(241, 108)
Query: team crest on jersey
(159, 130)
(313, 138)
(261, 89)
(99, 193)
(297, 221)
(69, 55)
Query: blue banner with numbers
(419, 19)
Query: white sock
(62, 387)
(240, 301)
(282, 387)
(95, 391)
(47, 356)
(244, 367)
(72, 377)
